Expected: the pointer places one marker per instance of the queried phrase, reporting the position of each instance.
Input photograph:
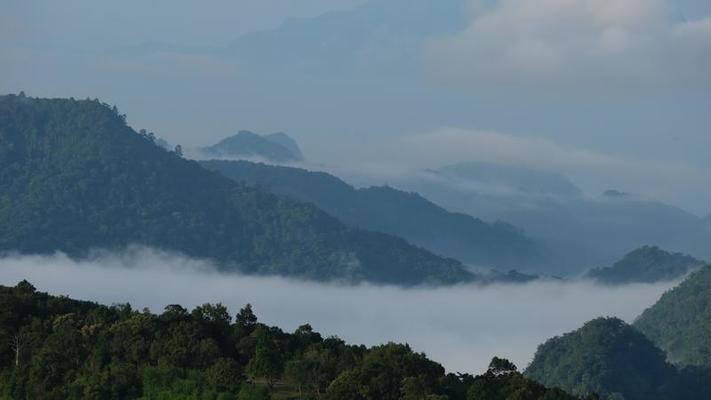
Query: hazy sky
(461, 327)
(619, 80)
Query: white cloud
(460, 327)
(582, 43)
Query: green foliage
(391, 211)
(609, 357)
(680, 322)
(646, 265)
(75, 177)
(78, 350)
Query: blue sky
(622, 85)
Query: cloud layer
(556, 44)
(461, 327)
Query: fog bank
(462, 327)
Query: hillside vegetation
(680, 322)
(395, 212)
(75, 177)
(609, 357)
(58, 348)
(647, 264)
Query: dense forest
(647, 264)
(75, 177)
(609, 357)
(388, 210)
(664, 355)
(680, 322)
(57, 348)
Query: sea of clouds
(462, 327)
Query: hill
(611, 358)
(647, 264)
(277, 147)
(59, 348)
(75, 177)
(680, 322)
(395, 212)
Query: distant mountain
(391, 211)
(680, 322)
(277, 147)
(75, 177)
(647, 264)
(608, 357)
(575, 232)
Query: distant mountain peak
(647, 264)
(275, 147)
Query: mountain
(277, 147)
(395, 212)
(75, 177)
(59, 348)
(647, 264)
(574, 231)
(608, 357)
(680, 322)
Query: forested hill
(647, 264)
(680, 322)
(391, 211)
(611, 358)
(58, 348)
(74, 176)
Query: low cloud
(593, 44)
(462, 327)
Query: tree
(179, 150)
(501, 366)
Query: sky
(461, 327)
(613, 93)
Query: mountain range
(385, 209)
(575, 232)
(74, 177)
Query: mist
(462, 327)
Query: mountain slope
(391, 211)
(608, 357)
(647, 264)
(277, 147)
(74, 176)
(577, 232)
(680, 322)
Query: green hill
(74, 177)
(608, 357)
(680, 322)
(646, 265)
(59, 348)
(395, 212)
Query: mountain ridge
(75, 177)
(388, 210)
